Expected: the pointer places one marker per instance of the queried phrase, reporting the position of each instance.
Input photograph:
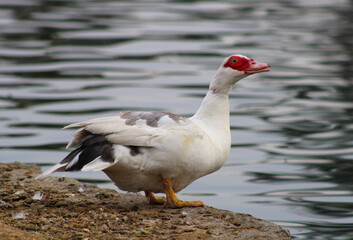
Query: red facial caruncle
(248, 66)
(237, 63)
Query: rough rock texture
(61, 208)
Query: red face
(238, 63)
(248, 66)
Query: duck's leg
(152, 199)
(172, 199)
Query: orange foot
(172, 200)
(152, 199)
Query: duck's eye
(234, 60)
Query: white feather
(56, 168)
(97, 165)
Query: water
(292, 147)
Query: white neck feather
(215, 107)
(213, 114)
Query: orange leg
(172, 199)
(152, 199)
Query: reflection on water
(292, 150)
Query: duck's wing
(96, 138)
(130, 128)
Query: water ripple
(282, 149)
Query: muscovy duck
(161, 152)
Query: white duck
(160, 152)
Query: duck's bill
(256, 67)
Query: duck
(161, 152)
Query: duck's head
(243, 65)
(234, 68)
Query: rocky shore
(62, 208)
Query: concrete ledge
(62, 208)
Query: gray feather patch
(151, 118)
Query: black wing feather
(91, 147)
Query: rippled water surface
(291, 160)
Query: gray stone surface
(62, 208)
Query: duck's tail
(95, 153)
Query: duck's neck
(214, 109)
(213, 114)
(213, 117)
